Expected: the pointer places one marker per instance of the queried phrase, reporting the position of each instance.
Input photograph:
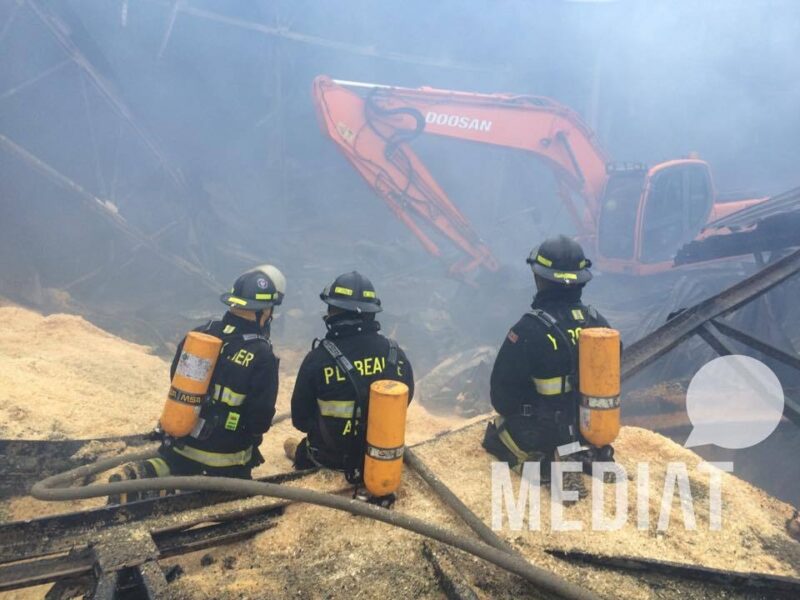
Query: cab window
(675, 210)
(620, 204)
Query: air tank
(599, 376)
(190, 383)
(386, 429)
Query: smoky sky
(217, 156)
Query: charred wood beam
(313, 40)
(448, 573)
(756, 344)
(107, 212)
(35, 79)
(791, 408)
(646, 350)
(25, 574)
(173, 15)
(25, 461)
(718, 345)
(7, 25)
(773, 233)
(59, 30)
(58, 533)
(236, 528)
(760, 582)
(113, 560)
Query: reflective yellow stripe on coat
(227, 396)
(341, 409)
(216, 459)
(551, 386)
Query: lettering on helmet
(565, 275)
(343, 291)
(458, 121)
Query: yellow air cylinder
(386, 433)
(599, 376)
(190, 383)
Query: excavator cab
(647, 215)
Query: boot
(290, 447)
(573, 481)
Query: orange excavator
(633, 217)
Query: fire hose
(57, 488)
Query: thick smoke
(191, 139)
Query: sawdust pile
(61, 377)
(314, 552)
(752, 536)
(71, 367)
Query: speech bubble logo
(733, 402)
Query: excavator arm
(373, 126)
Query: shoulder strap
(551, 323)
(347, 367)
(247, 337)
(353, 460)
(543, 317)
(394, 353)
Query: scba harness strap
(568, 382)
(551, 323)
(218, 394)
(354, 460)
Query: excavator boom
(635, 218)
(373, 125)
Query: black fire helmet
(256, 290)
(560, 259)
(352, 292)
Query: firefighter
(533, 384)
(332, 388)
(242, 393)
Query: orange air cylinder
(599, 376)
(386, 433)
(190, 383)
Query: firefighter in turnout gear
(534, 386)
(332, 388)
(240, 402)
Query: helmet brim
(565, 278)
(233, 301)
(353, 305)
